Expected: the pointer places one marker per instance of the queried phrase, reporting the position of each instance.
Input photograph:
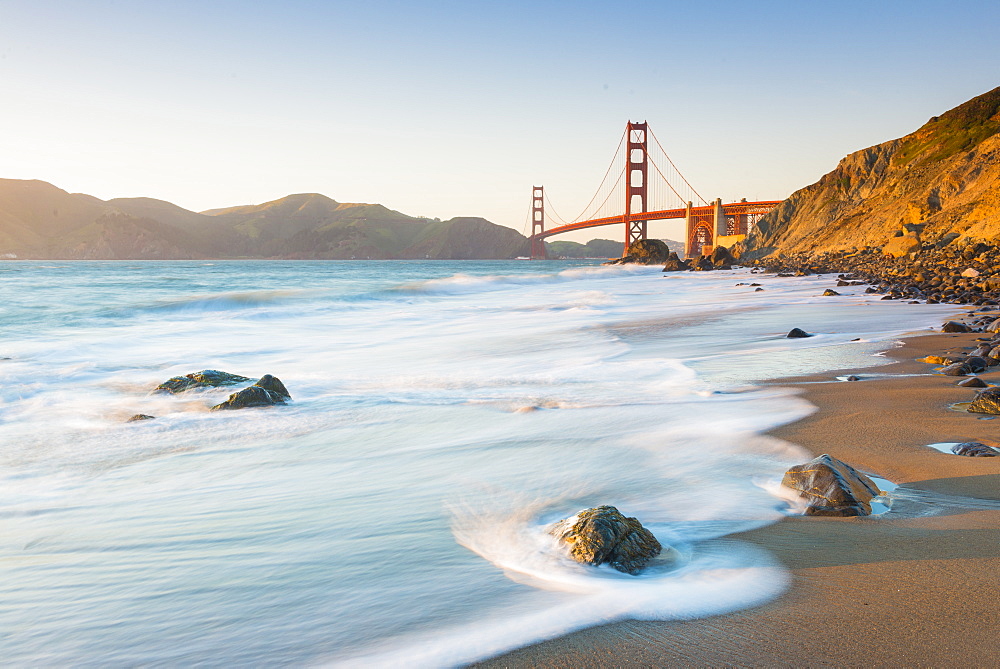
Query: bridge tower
(636, 181)
(538, 223)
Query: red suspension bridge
(628, 196)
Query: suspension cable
(553, 209)
(527, 216)
(667, 156)
(657, 167)
(610, 192)
(598, 191)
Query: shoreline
(913, 587)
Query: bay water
(396, 512)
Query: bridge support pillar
(538, 251)
(720, 218)
(636, 181)
(687, 231)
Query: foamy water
(396, 512)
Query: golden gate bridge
(628, 196)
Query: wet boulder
(140, 416)
(830, 292)
(956, 369)
(955, 326)
(274, 384)
(722, 258)
(603, 535)
(832, 487)
(972, 382)
(206, 378)
(269, 391)
(704, 264)
(797, 333)
(675, 264)
(986, 401)
(975, 449)
(976, 363)
(646, 252)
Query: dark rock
(138, 417)
(603, 535)
(832, 487)
(986, 401)
(956, 369)
(646, 252)
(704, 264)
(722, 258)
(830, 292)
(274, 384)
(955, 326)
(251, 396)
(853, 377)
(972, 382)
(796, 333)
(675, 264)
(975, 449)
(206, 378)
(976, 364)
(758, 290)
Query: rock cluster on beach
(935, 272)
(720, 258)
(603, 535)
(267, 391)
(832, 487)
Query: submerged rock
(832, 487)
(975, 449)
(266, 392)
(796, 333)
(603, 535)
(830, 292)
(206, 378)
(987, 401)
(140, 416)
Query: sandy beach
(915, 587)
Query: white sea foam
(443, 414)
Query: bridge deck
(731, 209)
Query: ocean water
(395, 513)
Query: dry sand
(915, 587)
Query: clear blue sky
(450, 109)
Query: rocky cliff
(944, 178)
(39, 220)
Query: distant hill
(39, 220)
(943, 179)
(597, 248)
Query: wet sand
(915, 587)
